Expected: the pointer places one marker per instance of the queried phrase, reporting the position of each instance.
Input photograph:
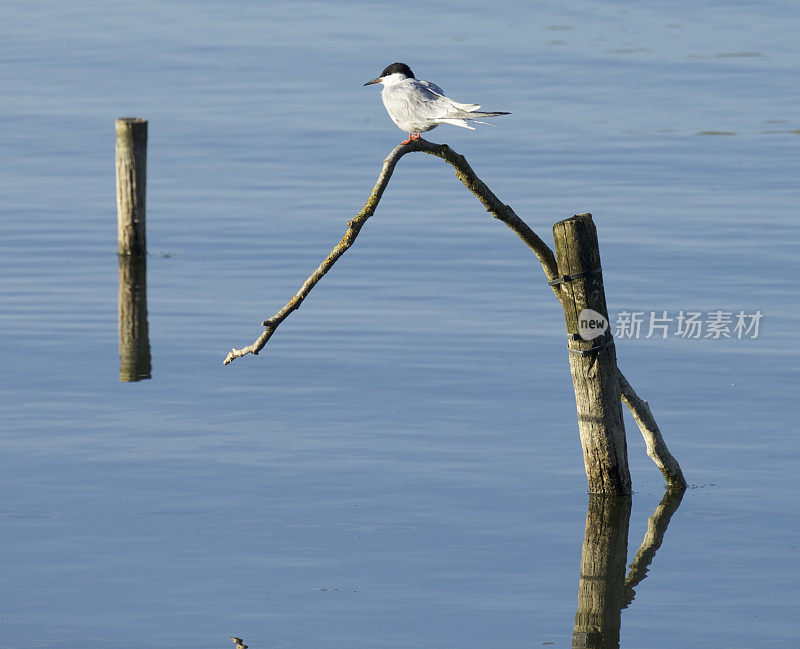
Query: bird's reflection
(134, 339)
(604, 590)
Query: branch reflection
(656, 528)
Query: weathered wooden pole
(131, 185)
(592, 357)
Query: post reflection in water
(134, 339)
(604, 590)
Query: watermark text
(687, 324)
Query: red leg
(411, 136)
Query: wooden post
(592, 357)
(131, 185)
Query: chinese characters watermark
(687, 324)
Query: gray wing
(429, 85)
(415, 100)
(454, 106)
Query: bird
(238, 642)
(417, 106)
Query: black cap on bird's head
(402, 68)
(394, 68)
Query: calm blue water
(400, 466)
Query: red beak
(369, 83)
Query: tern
(417, 106)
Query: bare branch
(353, 228)
(497, 208)
(464, 172)
(656, 446)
